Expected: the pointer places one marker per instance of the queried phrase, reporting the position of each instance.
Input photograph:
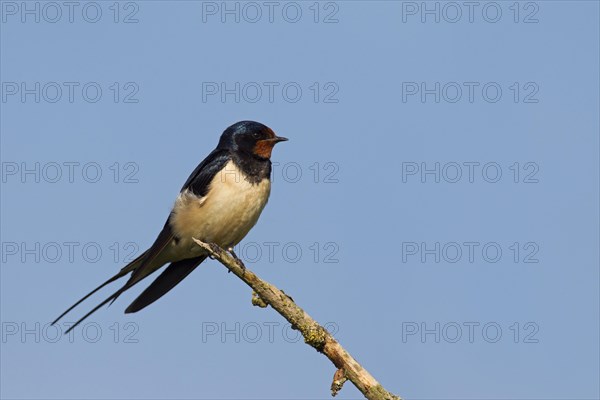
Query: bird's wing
(199, 180)
(149, 263)
(166, 281)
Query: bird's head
(250, 137)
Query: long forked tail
(112, 297)
(174, 274)
(124, 271)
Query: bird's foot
(236, 258)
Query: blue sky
(436, 206)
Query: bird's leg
(236, 258)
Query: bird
(219, 203)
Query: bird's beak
(278, 139)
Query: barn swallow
(220, 202)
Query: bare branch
(314, 334)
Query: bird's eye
(256, 135)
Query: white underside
(224, 216)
